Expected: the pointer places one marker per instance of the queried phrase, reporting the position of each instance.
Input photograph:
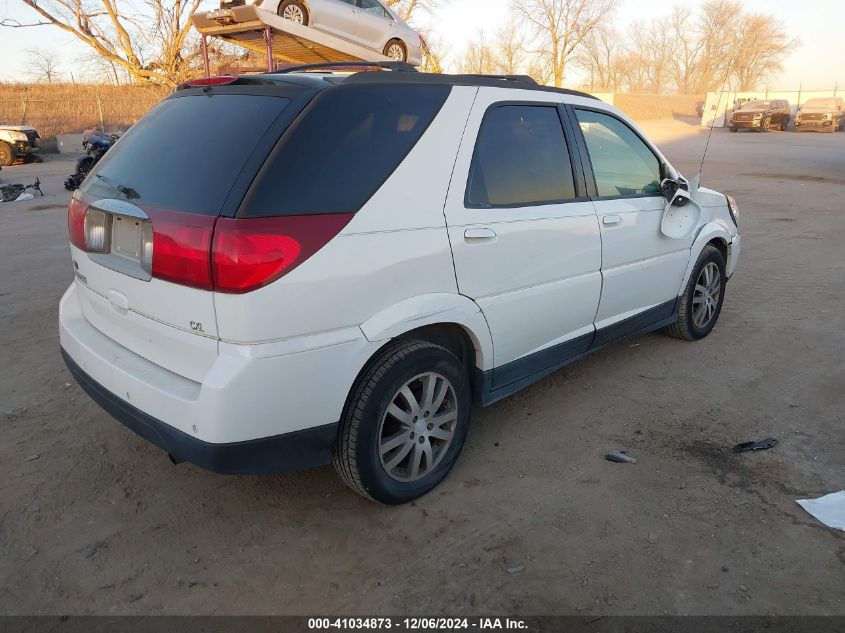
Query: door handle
(479, 234)
(611, 220)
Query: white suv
(337, 268)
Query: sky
(815, 63)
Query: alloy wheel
(708, 289)
(417, 429)
(294, 14)
(395, 53)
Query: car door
(337, 17)
(525, 238)
(642, 269)
(375, 25)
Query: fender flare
(707, 233)
(433, 309)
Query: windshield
(820, 103)
(757, 105)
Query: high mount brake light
(220, 80)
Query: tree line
(691, 52)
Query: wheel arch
(713, 233)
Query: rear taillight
(248, 254)
(76, 222)
(182, 247)
(221, 254)
(220, 80)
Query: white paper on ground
(829, 509)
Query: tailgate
(142, 223)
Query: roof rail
(493, 81)
(522, 79)
(360, 66)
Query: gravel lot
(93, 520)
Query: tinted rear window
(186, 152)
(520, 159)
(342, 149)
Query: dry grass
(68, 108)
(649, 107)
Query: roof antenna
(695, 182)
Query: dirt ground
(94, 520)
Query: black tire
(7, 154)
(356, 455)
(401, 45)
(306, 17)
(766, 124)
(686, 328)
(734, 130)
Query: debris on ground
(518, 569)
(762, 445)
(620, 457)
(829, 509)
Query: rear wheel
(405, 423)
(734, 130)
(395, 51)
(701, 303)
(7, 156)
(295, 11)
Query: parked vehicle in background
(368, 23)
(95, 143)
(822, 114)
(372, 255)
(17, 141)
(761, 115)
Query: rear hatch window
(184, 154)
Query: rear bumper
(292, 451)
(262, 408)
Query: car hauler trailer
(284, 42)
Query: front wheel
(295, 11)
(701, 303)
(7, 156)
(395, 51)
(405, 423)
(766, 124)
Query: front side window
(371, 6)
(623, 165)
(521, 159)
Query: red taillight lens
(76, 222)
(248, 254)
(182, 247)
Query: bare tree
(600, 58)
(509, 50)
(408, 9)
(479, 58)
(147, 38)
(43, 64)
(763, 44)
(559, 27)
(434, 53)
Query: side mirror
(669, 187)
(680, 216)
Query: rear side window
(186, 152)
(521, 159)
(623, 165)
(342, 149)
